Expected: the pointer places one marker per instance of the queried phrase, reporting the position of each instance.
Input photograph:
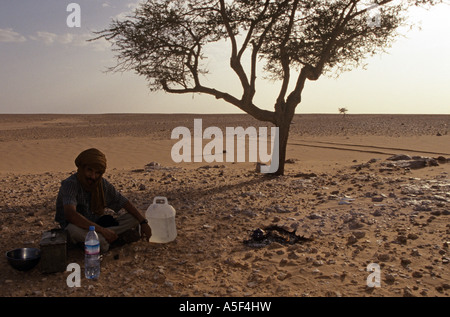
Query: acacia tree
(343, 110)
(296, 40)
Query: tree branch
(234, 60)
(251, 109)
(284, 59)
(252, 89)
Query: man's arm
(132, 210)
(80, 221)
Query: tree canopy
(296, 40)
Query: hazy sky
(48, 67)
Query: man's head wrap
(93, 158)
(97, 160)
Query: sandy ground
(340, 190)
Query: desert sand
(346, 190)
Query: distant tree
(297, 40)
(343, 111)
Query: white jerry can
(161, 218)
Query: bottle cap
(91, 228)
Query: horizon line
(222, 113)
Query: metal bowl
(23, 259)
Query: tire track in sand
(361, 148)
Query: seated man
(83, 197)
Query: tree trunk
(283, 133)
(283, 139)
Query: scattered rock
(407, 292)
(314, 215)
(389, 278)
(153, 165)
(405, 262)
(384, 257)
(414, 162)
(399, 157)
(401, 239)
(355, 224)
(377, 213)
(377, 199)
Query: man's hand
(109, 235)
(146, 231)
(80, 221)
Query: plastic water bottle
(92, 254)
